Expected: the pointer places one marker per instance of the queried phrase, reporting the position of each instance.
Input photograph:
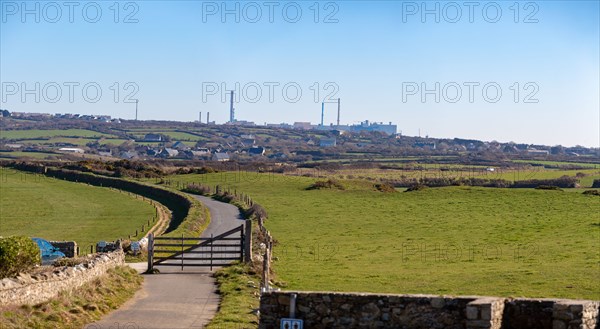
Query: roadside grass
(79, 307)
(239, 291)
(38, 133)
(453, 240)
(35, 205)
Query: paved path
(175, 299)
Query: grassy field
(21, 134)
(456, 240)
(38, 206)
(456, 171)
(33, 155)
(175, 135)
(559, 163)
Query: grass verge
(79, 307)
(239, 290)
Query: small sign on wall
(292, 324)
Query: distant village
(238, 140)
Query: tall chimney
(322, 112)
(207, 117)
(231, 109)
(200, 117)
(338, 120)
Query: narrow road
(176, 299)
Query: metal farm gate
(220, 250)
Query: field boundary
(189, 216)
(350, 310)
(28, 289)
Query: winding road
(175, 299)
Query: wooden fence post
(182, 255)
(265, 277)
(150, 252)
(248, 242)
(211, 251)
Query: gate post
(248, 242)
(150, 252)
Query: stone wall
(38, 288)
(356, 310)
(347, 310)
(69, 248)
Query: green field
(76, 141)
(560, 163)
(457, 171)
(33, 155)
(175, 135)
(38, 206)
(455, 240)
(33, 134)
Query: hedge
(17, 254)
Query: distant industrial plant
(389, 128)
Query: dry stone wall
(356, 310)
(38, 288)
(69, 248)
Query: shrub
(205, 170)
(563, 182)
(197, 189)
(548, 187)
(596, 183)
(17, 254)
(226, 197)
(385, 188)
(256, 211)
(330, 183)
(592, 192)
(417, 187)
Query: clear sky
(386, 60)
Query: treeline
(179, 204)
(562, 182)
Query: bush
(197, 189)
(330, 183)
(256, 211)
(596, 183)
(226, 197)
(17, 254)
(548, 187)
(591, 192)
(385, 188)
(562, 182)
(418, 187)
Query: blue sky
(369, 54)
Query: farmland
(36, 133)
(453, 240)
(35, 205)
